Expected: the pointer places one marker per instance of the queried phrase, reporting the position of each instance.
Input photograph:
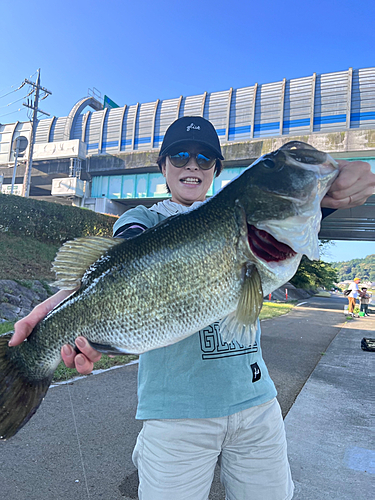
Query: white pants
(176, 458)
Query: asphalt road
(293, 344)
(78, 445)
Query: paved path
(78, 445)
(330, 426)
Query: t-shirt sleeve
(136, 216)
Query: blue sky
(348, 250)
(140, 51)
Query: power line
(11, 113)
(15, 90)
(18, 88)
(10, 104)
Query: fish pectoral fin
(231, 329)
(108, 349)
(76, 256)
(241, 325)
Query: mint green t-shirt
(200, 376)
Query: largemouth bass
(212, 263)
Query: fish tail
(20, 393)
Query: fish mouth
(265, 247)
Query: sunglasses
(181, 159)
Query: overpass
(104, 158)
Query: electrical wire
(15, 90)
(14, 102)
(18, 88)
(30, 91)
(11, 92)
(6, 114)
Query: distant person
(353, 295)
(364, 299)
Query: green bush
(50, 222)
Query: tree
(314, 274)
(356, 268)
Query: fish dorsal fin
(241, 325)
(76, 256)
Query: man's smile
(190, 180)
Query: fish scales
(212, 263)
(163, 289)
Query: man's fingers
(347, 202)
(24, 327)
(84, 361)
(86, 349)
(83, 365)
(353, 186)
(68, 354)
(346, 199)
(21, 330)
(78, 361)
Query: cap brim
(167, 150)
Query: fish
(212, 263)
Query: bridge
(104, 158)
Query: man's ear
(163, 169)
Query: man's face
(189, 183)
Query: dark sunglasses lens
(205, 162)
(180, 159)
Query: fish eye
(269, 163)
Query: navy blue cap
(191, 129)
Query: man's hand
(354, 184)
(83, 361)
(24, 326)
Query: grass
(25, 258)
(274, 309)
(6, 327)
(269, 310)
(64, 373)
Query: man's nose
(192, 163)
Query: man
(353, 295)
(197, 412)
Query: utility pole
(34, 106)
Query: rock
(18, 298)
(9, 312)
